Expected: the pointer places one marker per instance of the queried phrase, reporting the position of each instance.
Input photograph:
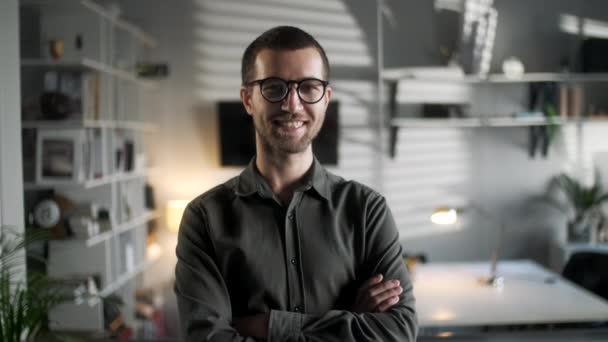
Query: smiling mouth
(293, 124)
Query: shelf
(119, 177)
(522, 122)
(435, 123)
(75, 124)
(439, 74)
(89, 64)
(601, 120)
(121, 23)
(112, 18)
(543, 77)
(121, 228)
(489, 122)
(124, 278)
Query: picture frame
(60, 156)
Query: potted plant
(583, 206)
(25, 297)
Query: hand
(253, 326)
(376, 295)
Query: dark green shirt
(240, 252)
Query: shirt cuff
(285, 326)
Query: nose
(292, 102)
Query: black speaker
(594, 55)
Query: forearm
(397, 324)
(382, 256)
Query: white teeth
(291, 124)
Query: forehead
(289, 64)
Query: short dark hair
(279, 38)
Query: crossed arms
(375, 315)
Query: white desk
(449, 294)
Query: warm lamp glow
(445, 334)
(153, 251)
(443, 315)
(175, 210)
(444, 216)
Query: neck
(283, 171)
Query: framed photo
(60, 156)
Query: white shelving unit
(394, 76)
(449, 76)
(468, 85)
(111, 161)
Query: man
(287, 251)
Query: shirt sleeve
(202, 297)
(382, 255)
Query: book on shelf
(90, 96)
(96, 155)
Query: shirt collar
(250, 181)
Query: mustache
(289, 116)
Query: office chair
(589, 270)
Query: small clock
(47, 213)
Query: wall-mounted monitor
(237, 135)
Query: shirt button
(297, 308)
(291, 216)
(293, 261)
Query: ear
(327, 97)
(246, 99)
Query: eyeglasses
(274, 89)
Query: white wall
(203, 41)
(11, 181)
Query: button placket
(296, 295)
(294, 287)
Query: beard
(271, 137)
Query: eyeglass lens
(275, 90)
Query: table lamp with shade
(449, 216)
(174, 212)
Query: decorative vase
(56, 48)
(582, 230)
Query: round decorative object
(52, 214)
(513, 68)
(47, 213)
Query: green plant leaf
(581, 198)
(24, 303)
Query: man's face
(288, 126)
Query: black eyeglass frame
(297, 83)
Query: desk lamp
(449, 216)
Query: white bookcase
(95, 153)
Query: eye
(311, 86)
(273, 88)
